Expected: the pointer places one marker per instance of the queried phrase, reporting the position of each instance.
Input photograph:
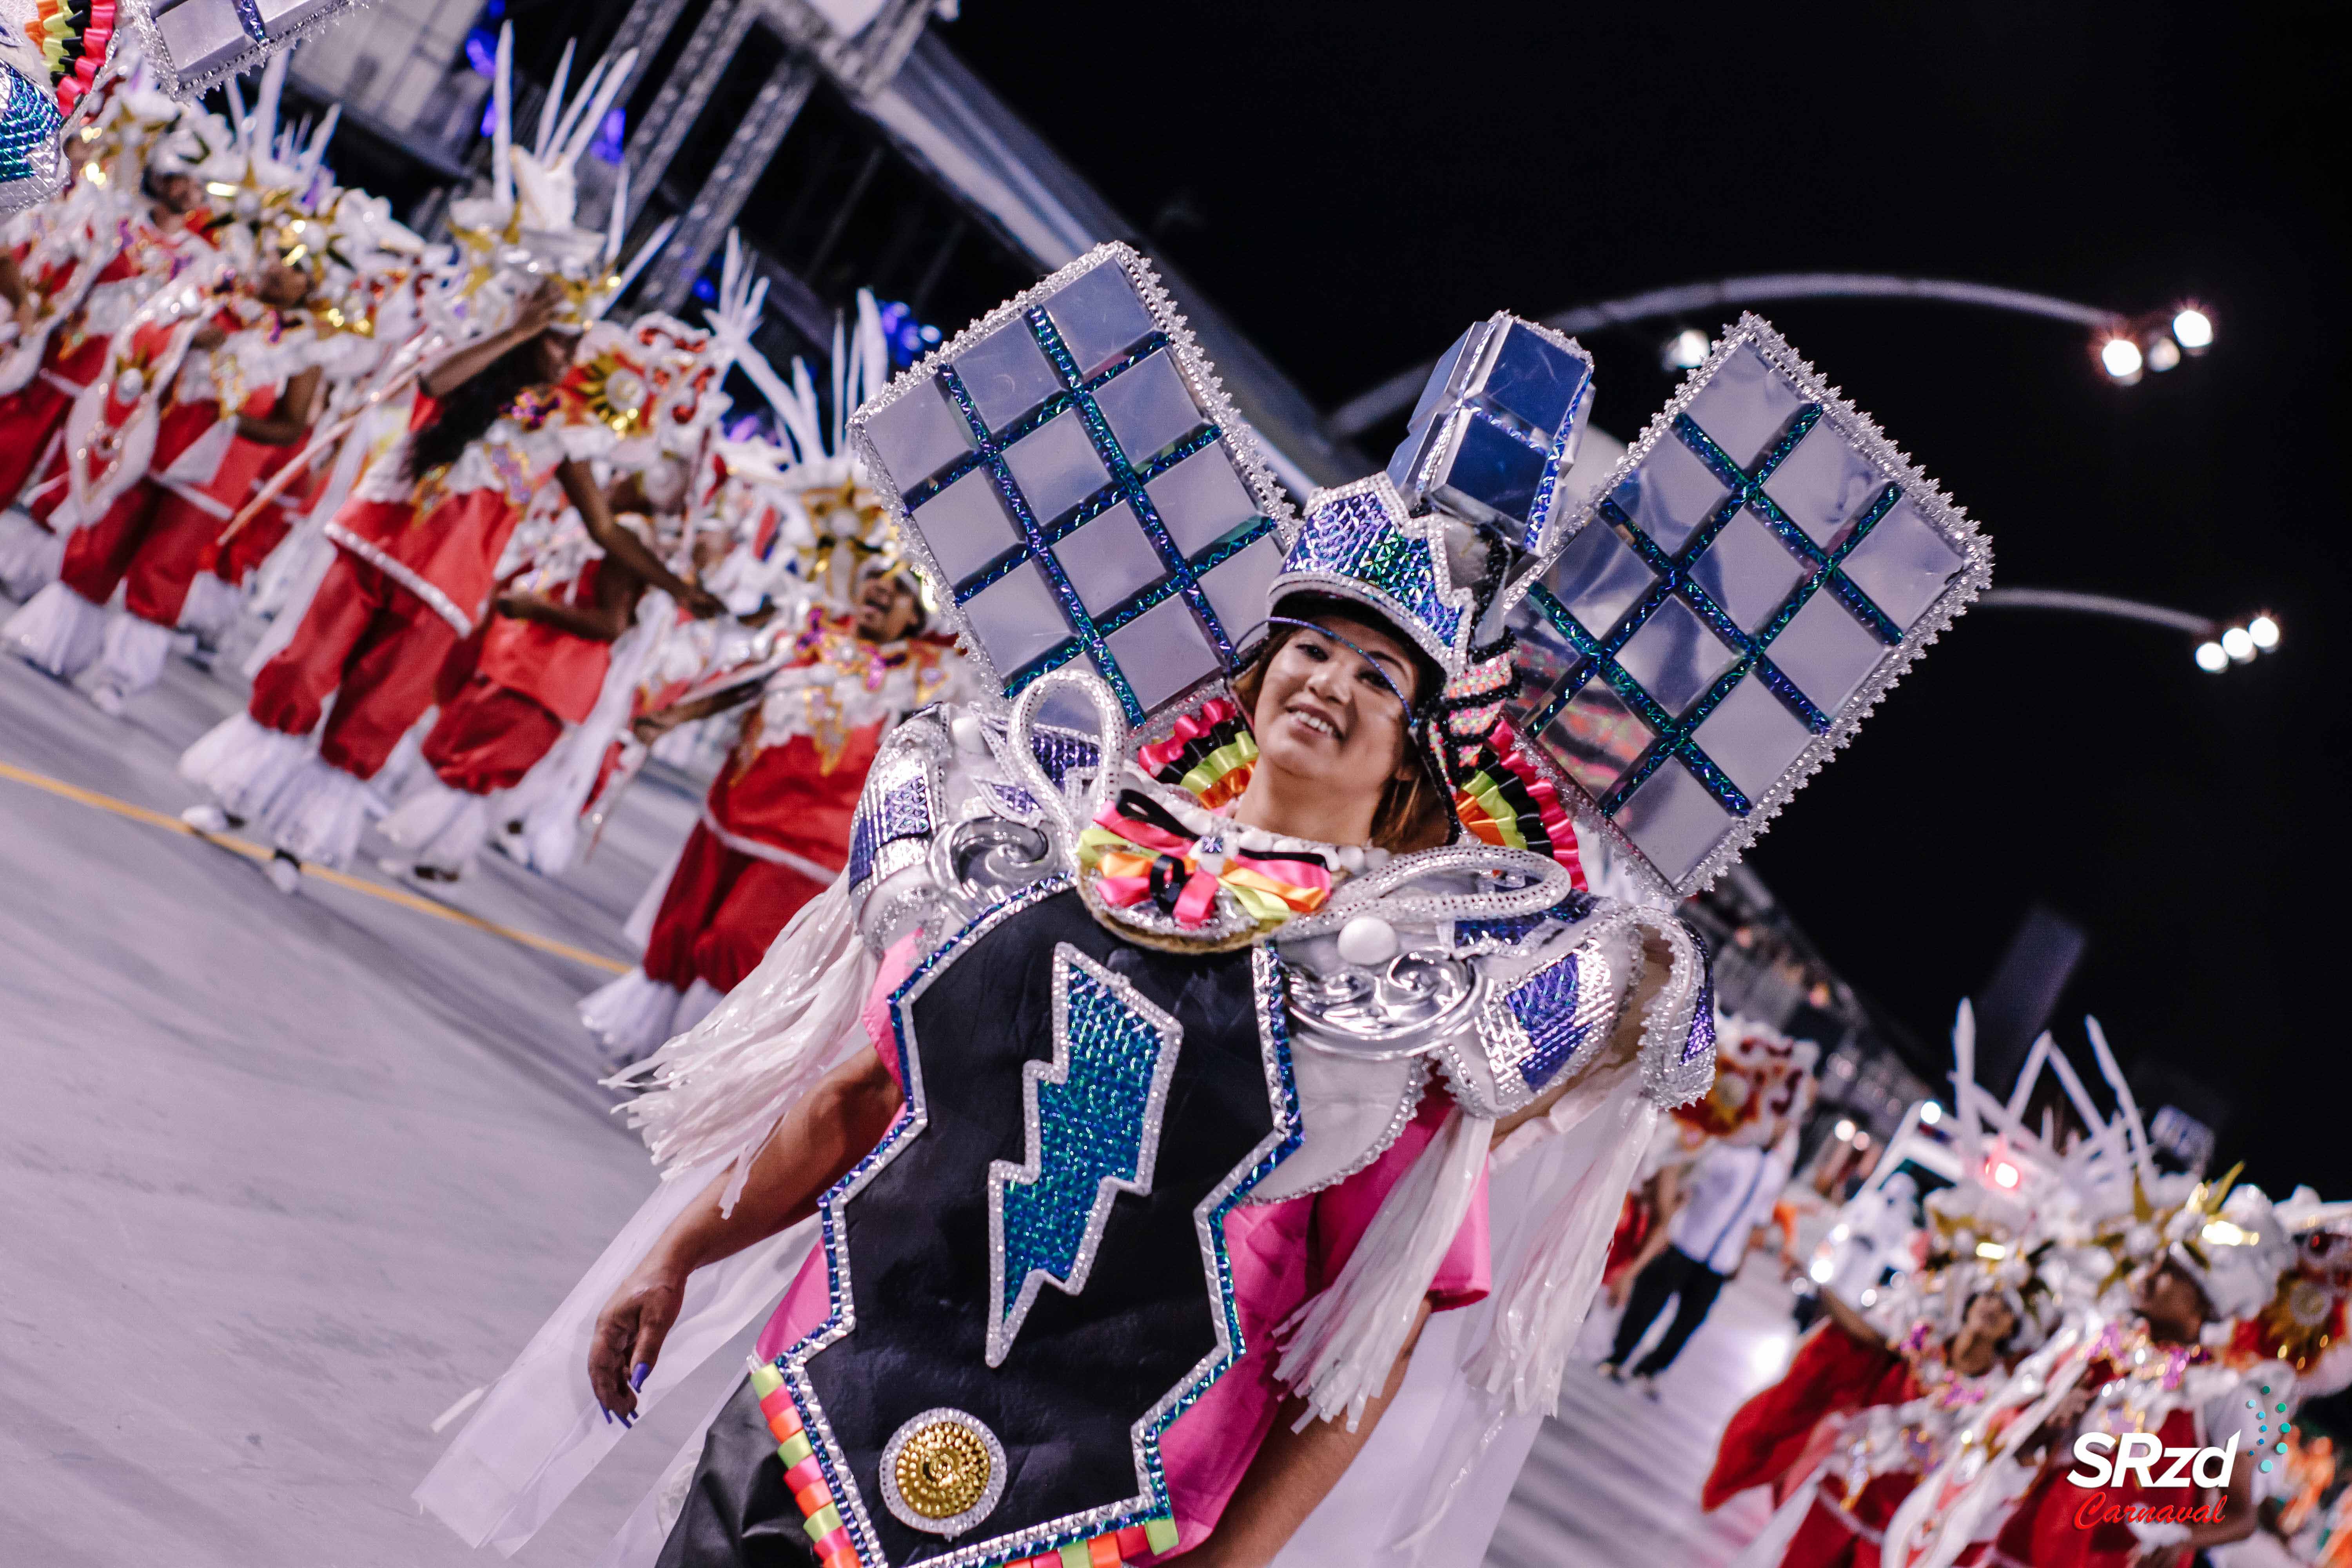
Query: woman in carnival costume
(837, 663)
(1154, 1193)
(423, 531)
(570, 622)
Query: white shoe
(108, 700)
(285, 873)
(209, 818)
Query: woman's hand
(629, 1335)
(537, 312)
(209, 336)
(652, 727)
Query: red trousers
(489, 737)
(33, 412)
(150, 541)
(722, 909)
(373, 647)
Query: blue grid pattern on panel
(1674, 579)
(902, 812)
(1039, 535)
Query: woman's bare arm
(619, 544)
(841, 1119)
(284, 425)
(1292, 1473)
(1856, 1325)
(454, 370)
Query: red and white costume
(774, 829)
(415, 566)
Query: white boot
(59, 632)
(30, 555)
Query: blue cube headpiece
(1497, 425)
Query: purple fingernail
(608, 1415)
(628, 1421)
(637, 1378)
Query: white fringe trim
(134, 655)
(1340, 1348)
(30, 555)
(211, 606)
(242, 764)
(58, 631)
(318, 814)
(630, 1016)
(714, 1092)
(1538, 1314)
(439, 826)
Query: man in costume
(1144, 1079)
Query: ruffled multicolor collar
(1158, 861)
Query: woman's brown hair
(1412, 813)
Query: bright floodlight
(1686, 350)
(2265, 631)
(2163, 353)
(2194, 327)
(2239, 644)
(2004, 1174)
(2212, 658)
(2120, 357)
(1931, 1113)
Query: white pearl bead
(968, 735)
(1368, 940)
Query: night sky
(1355, 184)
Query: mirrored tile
(1752, 737)
(1670, 494)
(1017, 617)
(1162, 651)
(966, 525)
(1822, 484)
(1826, 652)
(1108, 559)
(1236, 590)
(1007, 374)
(1481, 470)
(1201, 499)
(918, 434)
(1747, 570)
(1675, 655)
(1598, 577)
(1903, 563)
(1147, 407)
(1546, 660)
(1596, 737)
(1746, 406)
(1056, 467)
(1099, 318)
(1673, 821)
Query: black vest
(1085, 1382)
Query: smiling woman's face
(1324, 714)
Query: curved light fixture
(2218, 647)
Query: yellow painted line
(251, 850)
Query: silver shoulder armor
(951, 821)
(1489, 964)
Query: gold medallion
(942, 1469)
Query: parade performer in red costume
(775, 827)
(152, 537)
(420, 540)
(123, 233)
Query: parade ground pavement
(288, 1178)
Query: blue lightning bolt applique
(1094, 1114)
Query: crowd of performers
(483, 550)
(480, 548)
(2065, 1287)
